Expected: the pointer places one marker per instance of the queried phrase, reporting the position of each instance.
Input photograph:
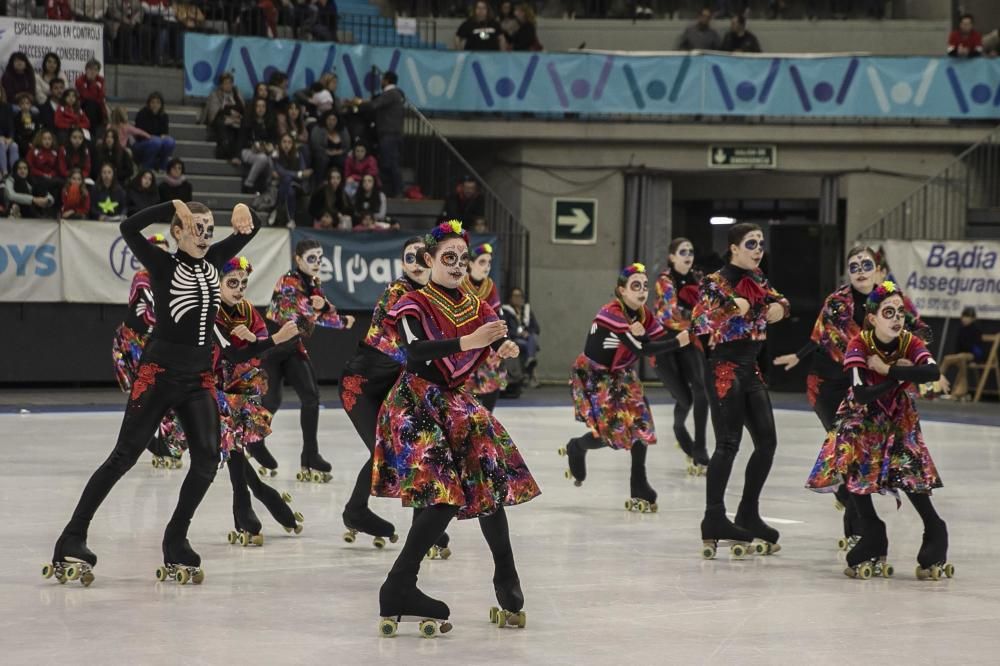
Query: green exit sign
(743, 157)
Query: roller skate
(247, 532)
(643, 497)
(932, 560)
(851, 537)
(698, 461)
(765, 537)
(511, 600)
(279, 506)
(363, 519)
(715, 527)
(409, 604)
(71, 560)
(577, 458)
(868, 557)
(314, 469)
(163, 457)
(266, 464)
(180, 563)
(440, 549)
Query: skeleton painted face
(310, 261)
(890, 318)
(197, 242)
(233, 286)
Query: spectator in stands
(51, 69)
(189, 15)
(90, 86)
(155, 151)
(329, 205)
(75, 198)
(74, 155)
(297, 124)
(109, 201)
(277, 89)
(257, 140)
(127, 133)
(293, 175)
(26, 124)
(739, 39)
(47, 112)
(18, 76)
(43, 160)
(142, 192)
(700, 36)
(321, 96)
(223, 113)
(160, 21)
(525, 35)
(9, 151)
(467, 202)
(970, 350)
(369, 199)
(367, 222)
(26, 200)
(175, 184)
(70, 115)
(523, 329)
(110, 151)
(389, 110)
(359, 163)
(505, 16)
(327, 144)
(58, 10)
(479, 225)
(966, 42)
(481, 31)
(262, 91)
(121, 25)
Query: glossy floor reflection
(602, 586)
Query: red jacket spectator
(67, 117)
(69, 160)
(42, 162)
(91, 90)
(58, 10)
(966, 42)
(354, 169)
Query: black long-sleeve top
(156, 124)
(185, 290)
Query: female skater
(838, 323)
(365, 384)
(175, 373)
(490, 378)
(437, 447)
(683, 371)
(735, 307)
(607, 394)
(877, 446)
(299, 297)
(130, 338)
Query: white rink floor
(602, 586)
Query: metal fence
(438, 170)
(939, 208)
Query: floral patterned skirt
(612, 404)
(436, 445)
(125, 352)
(875, 452)
(489, 377)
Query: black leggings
(199, 416)
(683, 374)
(286, 362)
(832, 392)
(362, 408)
(744, 402)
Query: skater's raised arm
(246, 224)
(145, 251)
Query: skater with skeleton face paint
(877, 445)
(298, 297)
(175, 372)
(490, 378)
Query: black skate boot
(440, 549)
(268, 465)
(716, 527)
(765, 536)
(699, 460)
(279, 506)
(932, 560)
(577, 458)
(314, 468)
(852, 522)
(511, 600)
(180, 562)
(869, 555)
(401, 601)
(642, 497)
(71, 560)
(363, 519)
(247, 524)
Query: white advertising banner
(74, 43)
(30, 267)
(99, 265)
(942, 277)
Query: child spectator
(18, 76)
(26, 125)
(175, 184)
(110, 151)
(74, 155)
(43, 163)
(75, 198)
(154, 151)
(109, 202)
(358, 164)
(142, 192)
(370, 199)
(90, 86)
(26, 200)
(329, 206)
(70, 115)
(366, 222)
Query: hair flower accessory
(443, 230)
(481, 249)
(881, 292)
(237, 264)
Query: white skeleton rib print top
(186, 293)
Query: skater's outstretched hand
(876, 364)
(318, 302)
(509, 349)
(775, 313)
(637, 329)
(242, 219)
(286, 332)
(185, 215)
(787, 360)
(904, 363)
(348, 321)
(484, 336)
(243, 333)
(742, 304)
(683, 338)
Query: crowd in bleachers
(65, 154)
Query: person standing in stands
(481, 31)
(739, 39)
(966, 42)
(700, 36)
(389, 109)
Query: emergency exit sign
(743, 157)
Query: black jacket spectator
(172, 188)
(739, 39)
(481, 31)
(700, 36)
(466, 203)
(156, 124)
(142, 193)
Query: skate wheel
(378, 542)
(568, 475)
(297, 529)
(653, 508)
(72, 573)
(921, 573)
(949, 570)
(935, 572)
(48, 570)
(628, 505)
(428, 628)
(493, 614)
(317, 477)
(841, 543)
(298, 476)
(86, 579)
(561, 450)
(444, 553)
(262, 471)
(432, 553)
(865, 571)
(178, 463)
(286, 498)
(198, 577)
(183, 576)
(522, 620)
(161, 574)
(708, 552)
(61, 578)
(232, 537)
(349, 536)
(760, 548)
(257, 539)
(387, 627)
(244, 539)
(299, 518)
(838, 505)
(738, 550)
(394, 538)
(888, 570)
